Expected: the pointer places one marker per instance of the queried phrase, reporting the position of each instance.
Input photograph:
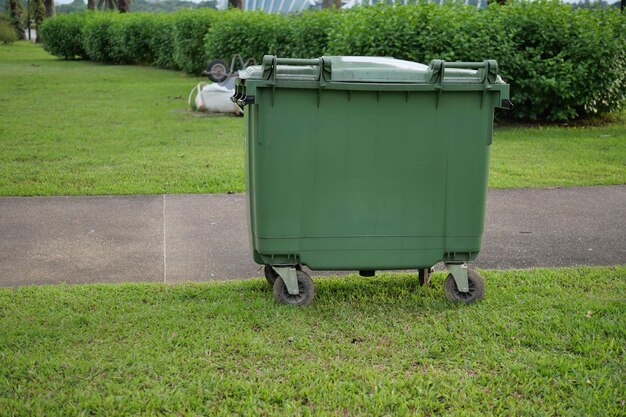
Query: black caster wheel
(270, 275)
(217, 70)
(305, 294)
(476, 288)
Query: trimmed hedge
(161, 40)
(63, 35)
(134, 38)
(250, 34)
(190, 28)
(98, 38)
(562, 63)
(309, 32)
(130, 40)
(254, 34)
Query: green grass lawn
(82, 128)
(542, 342)
(557, 156)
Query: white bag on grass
(213, 98)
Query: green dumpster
(365, 163)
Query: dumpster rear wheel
(306, 290)
(476, 288)
(271, 274)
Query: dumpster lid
(366, 69)
(376, 69)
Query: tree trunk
(122, 6)
(16, 14)
(91, 4)
(40, 15)
(327, 4)
(50, 9)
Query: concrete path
(175, 238)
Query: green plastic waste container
(365, 163)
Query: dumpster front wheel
(476, 288)
(306, 290)
(271, 274)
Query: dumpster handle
(270, 62)
(297, 61)
(489, 66)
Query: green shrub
(382, 31)
(130, 38)
(160, 37)
(62, 35)
(250, 34)
(98, 35)
(7, 33)
(309, 32)
(418, 33)
(190, 28)
(122, 38)
(601, 62)
(562, 64)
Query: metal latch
(240, 97)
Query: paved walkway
(175, 238)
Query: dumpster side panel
(250, 127)
(467, 170)
(337, 184)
